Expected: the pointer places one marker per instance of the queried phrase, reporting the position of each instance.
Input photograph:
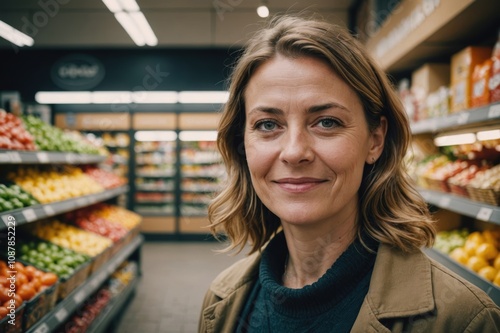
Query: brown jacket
(409, 293)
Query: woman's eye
(328, 123)
(266, 125)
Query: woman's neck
(313, 251)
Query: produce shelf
(73, 301)
(102, 322)
(46, 157)
(37, 212)
(468, 117)
(478, 210)
(492, 290)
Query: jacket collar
(401, 284)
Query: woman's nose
(296, 147)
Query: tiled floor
(175, 278)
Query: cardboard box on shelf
(462, 67)
(426, 80)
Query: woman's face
(306, 141)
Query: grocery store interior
(108, 161)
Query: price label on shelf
(80, 296)
(4, 157)
(494, 111)
(15, 157)
(49, 210)
(81, 202)
(61, 315)
(43, 328)
(484, 214)
(444, 202)
(463, 118)
(6, 219)
(29, 215)
(42, 157)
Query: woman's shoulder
(238, 274)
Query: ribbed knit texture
(329, 305)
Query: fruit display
(87, 219)
(481, 253)
(447, 241)
(49, 183)
(71, 237)
(51, 257)
(122, 277)
(122, 216)
(13, 134)
(14, 197)
(50, 138)
(107, 179)
(29, 282)
(83, 317)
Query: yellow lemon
(487, 251)
(476, 263)
(459, 255)
(488, 272)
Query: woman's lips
(298, 185)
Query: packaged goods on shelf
(429, 88)
(494, 84)
(480, 84)
(462, 67)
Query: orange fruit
(487, 251)
(470, 247)
(476, 263)
(488, 272)
(496, 281)
(459, 255)
(496, 262)
(476, 237)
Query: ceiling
(176, 23)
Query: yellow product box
(462, 67)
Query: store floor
(175, 278)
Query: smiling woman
(313, 139)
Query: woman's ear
(377, 140)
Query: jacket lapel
(400, 286)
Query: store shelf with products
(442, 46)
(155, 172)
(38, 212)
(47, 157)
(73, 301)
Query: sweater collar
(333, 286)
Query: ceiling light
(15, 36)
(155, 136)
(129, 5)
(155, 97)
(262, 10)
(456, 139)
(131, 28)
(143, 25)
(111, 97)
(113, 5)
(203, 96)
(63, 97)
(198, 136)
(488, 135)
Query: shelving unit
(45, 157)
(419, 32)
(61, 312)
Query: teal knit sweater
(329, 305)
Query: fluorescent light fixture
(113, 5)
(63, 97)
(143, 25)
(488, 135)
(456, 139)
(15, 36)
(131, 28)
(111, 97)
(198, 135)
(155, 97)
(129, 5)
(263, 11)
(155, 136)
(203, 96)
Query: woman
(313, 138)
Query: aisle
(175, 278)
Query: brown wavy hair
(391, 210)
